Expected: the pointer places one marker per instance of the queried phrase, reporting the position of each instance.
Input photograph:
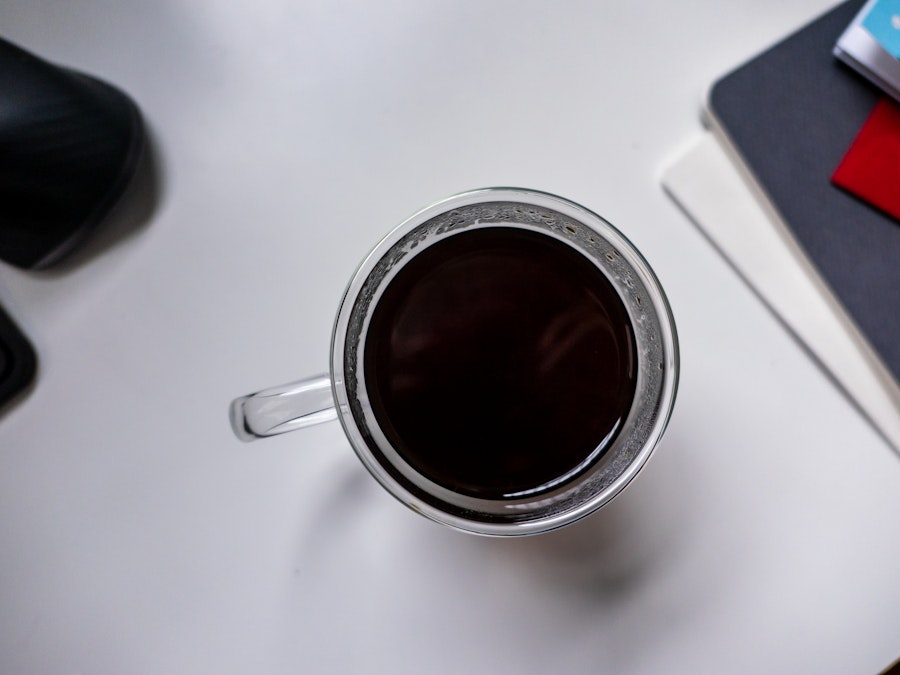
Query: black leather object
(17, 359)
(69, 144)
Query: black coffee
(500, 362)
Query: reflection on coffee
(500, 362)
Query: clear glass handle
(280, 409)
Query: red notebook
(871, 168)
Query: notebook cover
(790, 114)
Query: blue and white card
(883, 23)
(871, 44)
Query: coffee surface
(500, 362)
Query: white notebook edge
(720, 197)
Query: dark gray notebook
(791, 113)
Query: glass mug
(504, 362)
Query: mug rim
(670, 365)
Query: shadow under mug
(608, 464)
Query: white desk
(137, 535)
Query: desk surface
(138, 535)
